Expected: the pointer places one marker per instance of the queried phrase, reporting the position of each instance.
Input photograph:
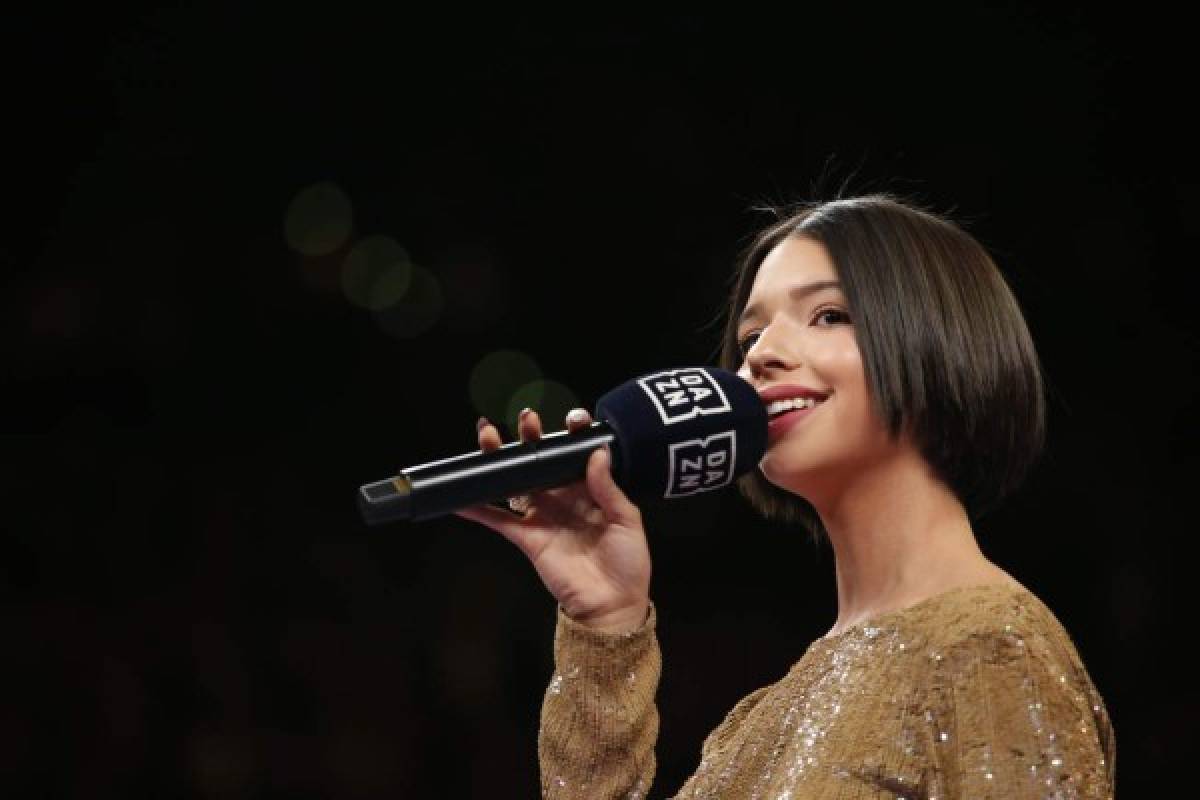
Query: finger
(529, 429)
(578, 418)
(489, 437)
(489, 440)
(529, 425)
(504, 523)
(615, 504)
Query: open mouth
(782, 407)
(785, 414)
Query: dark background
(192, 606)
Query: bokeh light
(550, 399)
(318, 220)
(377, 273)
(416, 311)
(497, 378)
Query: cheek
(842, 365)
(843, 369)
(846, 351)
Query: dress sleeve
(599, 722)
(1009, 714)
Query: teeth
(786, 405)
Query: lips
(806, 402)
(789, 391)
(780, 424)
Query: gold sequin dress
(975, 693)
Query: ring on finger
(520, 503)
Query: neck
(899, 536)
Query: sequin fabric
(978, 692)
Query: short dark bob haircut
(945, 348)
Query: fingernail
(576, 415)
(524, 411)
(479, 425)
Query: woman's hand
(585, 539)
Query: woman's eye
(842, 315)
(744, 344)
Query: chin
(804, 475)
(786, 473)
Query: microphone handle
(442, 487)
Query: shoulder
(1004, 617)
(1001, 644)
(1004, 681)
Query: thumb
(617, 507)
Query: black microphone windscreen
(683, 431)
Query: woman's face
(804, 337)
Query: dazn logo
(683, 394)
(701, 465)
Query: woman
(921, 408)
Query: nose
(769, 352)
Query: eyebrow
(795, 293)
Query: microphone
(673, 433)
